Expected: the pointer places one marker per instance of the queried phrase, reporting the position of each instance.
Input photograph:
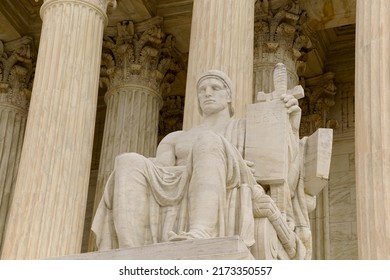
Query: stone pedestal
(222, 39)
(372, 86)
(222, 248)
(48, 207)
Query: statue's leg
(131, 200)
(207, 191)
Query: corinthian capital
(139, 53)
(278, 32)
(16, 70)
(319, 98)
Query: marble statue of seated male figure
(198, 186)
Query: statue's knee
(130, 160)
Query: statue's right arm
(165, 155)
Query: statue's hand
(251, 166)
(293, 110)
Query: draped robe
(144, 202)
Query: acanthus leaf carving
(278, 33)
(319, 98)
(139, 53)
(16, 72)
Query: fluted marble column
(137, 61)
(48, 207)
(372, 134)
(15, 74)
(221, 38)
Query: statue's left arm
(294, 112)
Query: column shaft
(221, 38)
(263, 74)
(131, 126)
(49, 202)
(131, 121)
(12, 126)
(15, 75)
(372, 135)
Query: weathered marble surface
(16, 70)
(192, 187)
(221, 38)
(136, 82)
(49, 201)
(373, 129)
(199, 186)
(221, 248)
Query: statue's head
(220, 81)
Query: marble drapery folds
(143, 202)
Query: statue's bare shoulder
(172, 138)
(166, 155)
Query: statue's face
(213, 96)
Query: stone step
(222, 248)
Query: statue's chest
(187, 140)
(183, 149)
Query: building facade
(82, 81)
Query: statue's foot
(172, 236)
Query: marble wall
(342, 186)
(342, 201)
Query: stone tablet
(318, 153)
(267, 128)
